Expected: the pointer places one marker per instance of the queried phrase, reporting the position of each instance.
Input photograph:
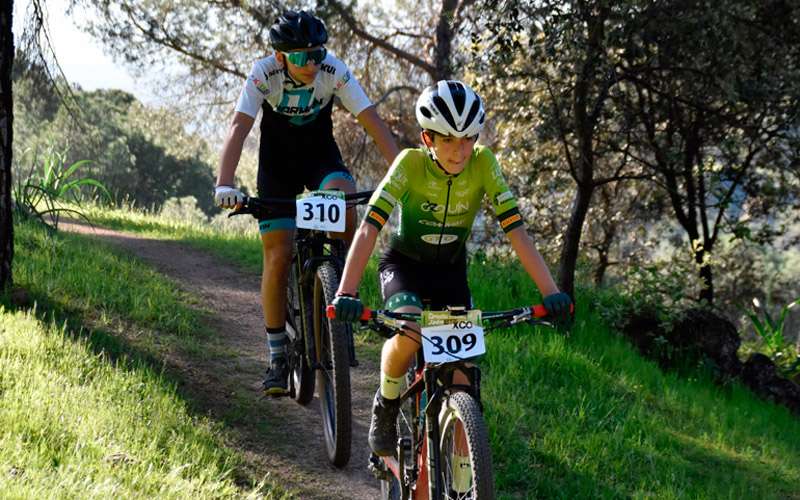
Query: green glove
(348, 309)
(559, 307)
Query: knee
(277, 254)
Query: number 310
(333, 212)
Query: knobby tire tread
(338, 451)
(468, 411)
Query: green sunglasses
(301, 58)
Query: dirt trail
(279, 437)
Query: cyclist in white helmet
(294, 91)
(439, 188)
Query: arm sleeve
(392, 188)
(349, 91)
(253, 92)
(503, 200)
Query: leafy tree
(715, 126)
(698, 99)
(551, 63)
(6, 138)
(142, 155)
(394, 52)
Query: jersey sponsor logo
(502, 197)
(510, 220)
(262, 86)
(341, 83)
(450, 222)
(300, 110)
(459, 208)
(433, 239)
(327, 68)
(375, 215)
(432, 184)
(274, 72)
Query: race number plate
(323, 210)
(451, 337)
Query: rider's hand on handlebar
(348, 308)
(228, 196)
(559, 306)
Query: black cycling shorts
(293, 158)
(406, 281)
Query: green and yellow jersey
(438, 209)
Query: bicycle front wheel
(333, 374)
(302, 374)
(466, 458)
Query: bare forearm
(231, 153)
(380, 133)
(532, 261)
(357, 258)
(232, 148)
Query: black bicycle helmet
(297, 30)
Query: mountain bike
(441, 426)
(320, 352)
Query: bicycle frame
(436, 381)
(310, 254)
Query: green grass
(86, 411)
(586, 416)
(74, 425)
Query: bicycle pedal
(378, 468)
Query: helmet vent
(441, 105)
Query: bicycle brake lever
(521, 317)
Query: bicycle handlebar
(256, 206)
(537, 311)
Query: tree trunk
(572, 239)
(444, 40)
(6, 128)
(706, 275)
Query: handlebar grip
(540, 312)
(330, 313)
(366, 314)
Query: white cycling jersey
(300, 103)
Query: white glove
(227, 196)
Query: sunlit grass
(86, 410)
(587, 417)
(74, 424)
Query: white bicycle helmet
(450, 108)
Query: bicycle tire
(462, 408)
(301, 372)
(333, 373)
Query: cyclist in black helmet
(294, 87)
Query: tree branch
(357, 30)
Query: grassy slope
(586, 417)
(82, 413)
